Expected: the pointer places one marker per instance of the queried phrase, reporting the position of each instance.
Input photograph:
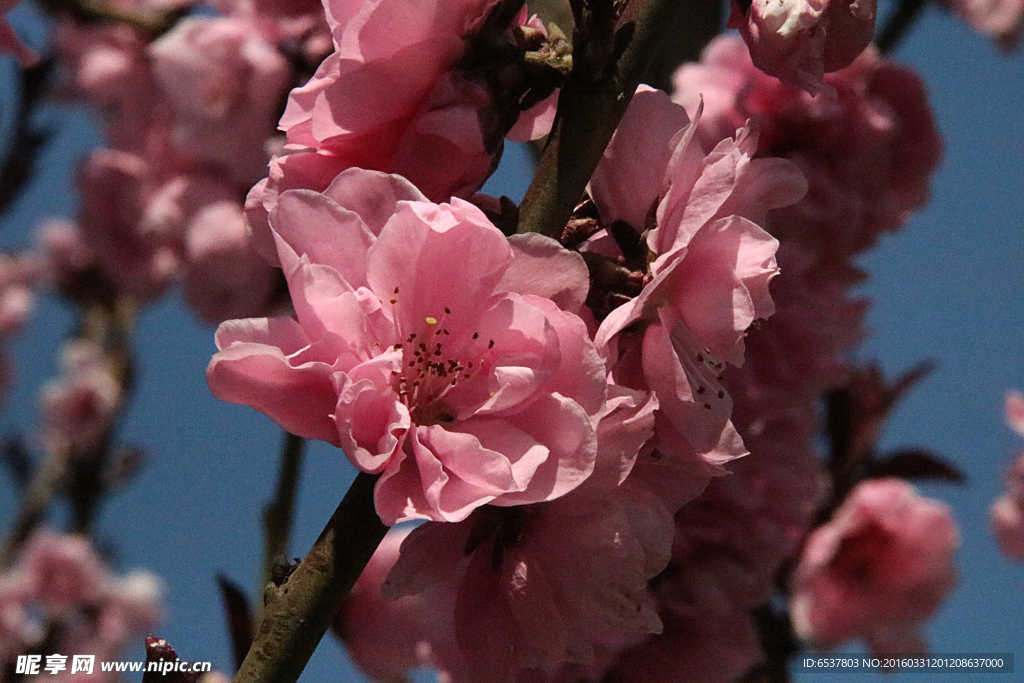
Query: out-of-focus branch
(778, 643)
(45, 485)
(277, 517)
(27, 139)
(110, 326)
(298, 612)
(899, 22)
(590, 107)
(152, 23)
(692, 29)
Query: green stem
(298, 612)
(589, 109)
(277, 517)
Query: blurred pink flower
(719, 651)
(107, 64)
(457, 390)
(1007, 521)
(223, 84)
(798, 41)
(877, 570)
(1003, 20)
(18, 274)
(1007, 513)
(868, 154)
(224, 277)
(1015, 411)
(59, 586)
(80, 406)
(117, 188)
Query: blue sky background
(948, 288)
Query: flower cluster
(609, 435)
(61, 595)
(731, 541)
(507, 399)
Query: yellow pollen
(431, 320)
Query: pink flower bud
(798, 41)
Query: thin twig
(46, 484)
(298, 612)
(900, 21)
(277, 517)
(110, 326)
(27, 137)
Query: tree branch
(298, 612)
(589, 109)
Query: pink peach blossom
(534, 587)
(1003, 20)
(1006, 516)
(63, 253)
(299, 24)
(868, 154)
(388, 638)
(18, 274)
(223, 84)
(224, 277)
(798, 41)
(1015, 411)
(708, 279)
(877, 570)
(108, 65)
(388, 90)
(721, 651)
(116, 189)
(458, 391)
(390, 99)
(385, 54)
(60, 586)
(80, 406)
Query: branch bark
(589, 109)
(298, 612)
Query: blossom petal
(257, 373)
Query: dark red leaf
(239, 617)
(915, 464)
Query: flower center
(432, 366)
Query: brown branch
(298, 612)
(589, 109)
